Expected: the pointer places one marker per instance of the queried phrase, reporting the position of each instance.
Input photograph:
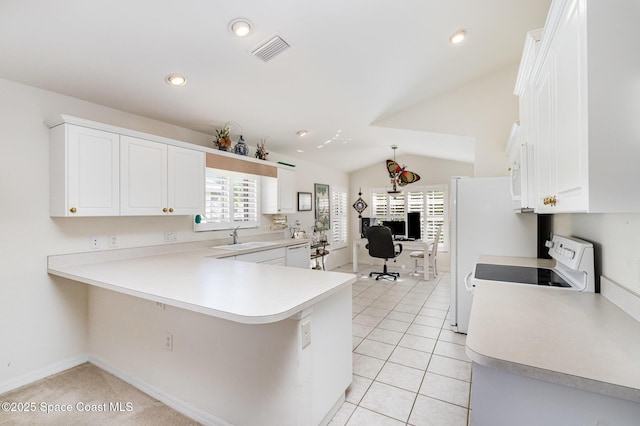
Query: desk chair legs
(385, 273)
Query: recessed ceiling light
(300, 150)
(240, 27)
(458, 36)
(176, 80)
(301, 133)
(320, 146)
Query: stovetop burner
(520, 275)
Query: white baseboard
(41, 373)
(626, 300)
(188, 410)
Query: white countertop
(196, 280)
(571, 338)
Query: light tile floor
(409, 368)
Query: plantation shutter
(435, 214)
(245, 199)
(339, 220)
(216, 207)
(231, 199)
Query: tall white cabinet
(584, 108)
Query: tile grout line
(422, 306)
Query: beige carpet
(85, 387)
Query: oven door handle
(467, 284)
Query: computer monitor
(413, 225)
(398, 227)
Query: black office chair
(382, 246)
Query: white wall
(615, 238)
(307, 174)
(432, 171)
(44, 319)
(484, 109)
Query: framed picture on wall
(323, 222)
(304, 201)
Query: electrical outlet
(168, 341)
(160, 305)
(170, 237)
(94, 242)
(113, 241)
(305, 328)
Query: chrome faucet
(234, 234)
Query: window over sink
(231, 199)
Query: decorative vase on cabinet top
(241, 148)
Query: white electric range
(571, 267)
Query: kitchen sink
(245, 246)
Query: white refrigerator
(483, 222)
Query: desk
(406, 246)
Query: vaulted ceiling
(350, 64)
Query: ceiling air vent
(270, 48)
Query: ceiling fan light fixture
(176, 80)
(240, 27)
(458, 37)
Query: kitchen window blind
(430, 201)
(231, 199)
(339, 220)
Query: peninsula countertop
(201, 280)
(570, 338)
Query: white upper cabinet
(286, 191)
(100, 170)
(143, 177)
(585, 107)
(279, 195)
(84, 170)
(185, 180)
(158, 179)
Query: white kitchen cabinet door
(543, 131)
(585, 80)
(143, 177)
(84, 172)
(185, 180)
(279, 195)
(570, 98)
(160, 179)
(286, 191)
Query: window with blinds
(339, 212)
(231, 199)
(431, 202)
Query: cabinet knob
(73, 210)
(170, 209)
(164, 210)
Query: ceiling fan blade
(408, 177)
(393, 168)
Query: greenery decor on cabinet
(261, 152)
(223, 141)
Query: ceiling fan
(398, 175)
